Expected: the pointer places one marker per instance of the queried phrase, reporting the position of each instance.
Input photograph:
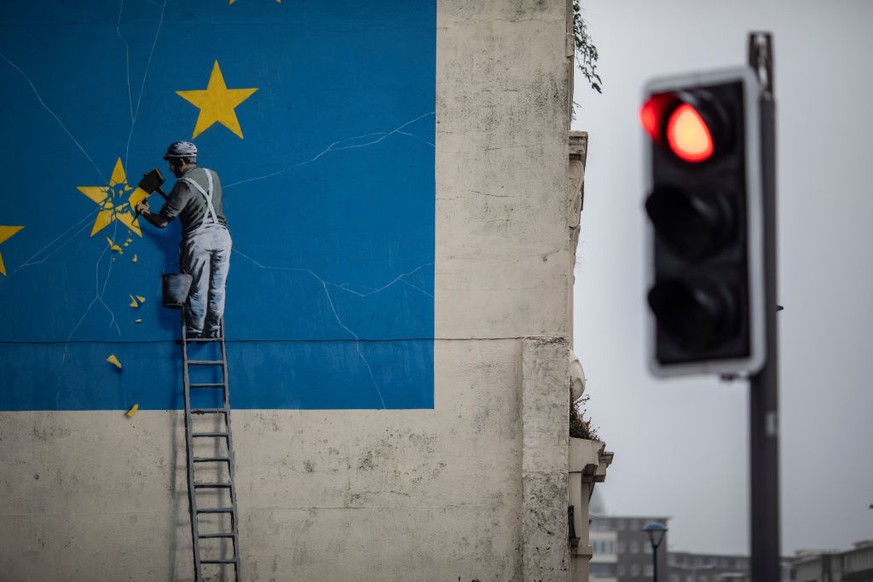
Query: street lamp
(656, 533)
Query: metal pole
(655, 563)
(764, 386)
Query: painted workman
(204, 252)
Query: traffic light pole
(764, 385)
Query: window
(622, 547)
(635, 547)
(635, 570)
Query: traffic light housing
(704, 204)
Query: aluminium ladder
(210, 474)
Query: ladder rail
(234, 516)
(189, 449)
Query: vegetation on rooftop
(579, 427)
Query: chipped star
(6, 233)
(217, 103)
(116, 201)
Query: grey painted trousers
(205, 255)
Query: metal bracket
(761, 60)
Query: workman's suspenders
(207, 195)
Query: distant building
(691, 567)
(855, 565)
(621, 551)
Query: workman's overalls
(205, 255)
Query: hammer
(151, 183)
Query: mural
(320, 124)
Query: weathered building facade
(399, 302)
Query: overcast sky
(681, 446)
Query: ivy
(586, 52)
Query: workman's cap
(181, 149)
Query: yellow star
(116, 201)
(216, 103)
(6, 232)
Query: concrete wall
(474, 488)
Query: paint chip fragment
(114, 247)
(137, 320)
(141, 299)
(134, 259)
(132, 410)
(114, 361)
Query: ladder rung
(216, 510)
(211, 459)
(207, 385)
(210, 434)
(205, 362)
(221, 561)
(208, 411)
(213, 485)
(204, 340)
(215, 535)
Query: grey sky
(682, 445)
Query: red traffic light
(688, 135)
(680, 124)
(703, 200)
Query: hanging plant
(586, 52)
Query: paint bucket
(175, 288)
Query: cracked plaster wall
(474, 488)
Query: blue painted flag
(319, 123)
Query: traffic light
(704, 205)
